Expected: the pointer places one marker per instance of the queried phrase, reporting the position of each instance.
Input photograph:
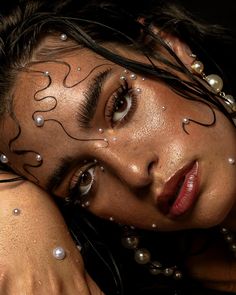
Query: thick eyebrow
(85, 115)
(89, 104)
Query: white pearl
(79, 69)
(155, 268)
(16, 211)
(215, 82)
(197, 66)
(186, 121)
(138, 90)
(59, 253)
(111, 218)
(168, 272)
(102, 168)
(133, 77)
(38, 158)
(142, 256)
(63, 37)
(100, 130)
(130, 242)
(3, 159)
(231, 161)
(46, 73)
(178, 275)
(39, 120)
(154, 225)
(122, 77)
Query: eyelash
(120, 93)
(117, 97)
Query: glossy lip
(180, 192)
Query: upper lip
(171, 188)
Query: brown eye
(86, 181)
(122, 107)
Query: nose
(132, 164)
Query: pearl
(39, 120)
(86, 204)
(63, 37)
(114, 139)
(155, 268)
(79, 69)
(138, 90)
(229, 238)
(154, 225)
(168, 272)
(16, 211)
(186, 121)
(229, 99)
(3, 159)
(111, 218)
(178, 275)
(215, 82)
(46, 73)
(192, 55)
(163, 108)
(126, 71)
(122, 78)
(100, 130)
(233, 247)
(142, 256)
(231, 161)
(59, 253)
(133, 77)
(38, 158)
(102, 169)
(143, 79)
(130, 242)
(197, 66)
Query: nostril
(150, 167)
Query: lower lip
(187, 195)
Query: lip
(180, 192)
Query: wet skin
(146, 145)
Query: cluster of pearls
(142, 256)
(59, 253)
(215, 82)
(229, 238)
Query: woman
(112, 111)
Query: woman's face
(116, 142)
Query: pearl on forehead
(39, 120)
(63, 37)
(59, 253)
(38, 158)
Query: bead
(224, 230)
(59, 253)
(111, 218)
(233, 247)
(102, 169)
(39, 120)
(163, 108)
(186, 121)
(105, 139)
(85, 204)
(192, 55)
(63, 37)
(231, 161)
(79, 69)
(126, 71)
(168, 272)
(114, 139)
(197, 66)
(46, 73)
(178, 275)
(100, 130)
(130, 242)
(229, 99)
(138, 90)
(16, 211)
(142, 256)
(154, 271)
(215, 82)
(38, 158)
(143, 79)
(229, 238)
(122, 78)
(133, 77)
(3, 159)
(154, 225)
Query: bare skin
(27, 240)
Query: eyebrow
(89, 104)
(85, 115)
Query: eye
(122, 107)
(121, 104)
(81, 183)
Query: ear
(180, 48)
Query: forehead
(53, 90)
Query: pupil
(121, 105)
(86, 178)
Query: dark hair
(90, 24)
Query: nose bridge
(130, 162)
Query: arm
(27, 239)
